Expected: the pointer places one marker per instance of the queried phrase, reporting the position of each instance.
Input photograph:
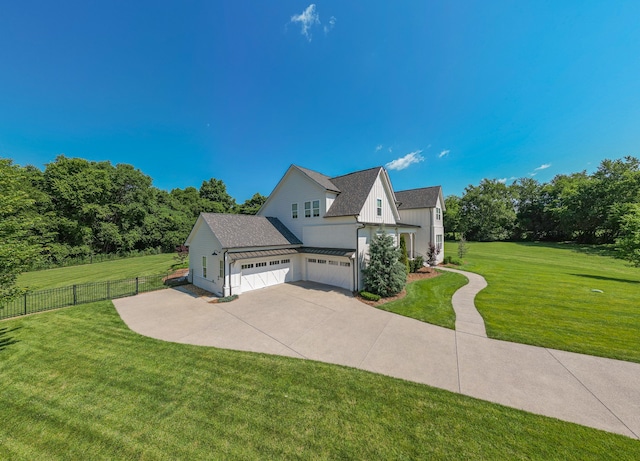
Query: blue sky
(441, 92)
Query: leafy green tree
(385, 275)
(628, 244)
(18, 221)
(252, 205)
(451, 216)
(487, 211)
(215, 191)
(462, 247)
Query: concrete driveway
(312, 321)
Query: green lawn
(429, 300)
(109, 270)
(78, 384)
(542, 294)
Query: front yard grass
(429, 300)
(542, 294)
(109, 270)
(78, 384)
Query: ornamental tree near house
(385, 274)
(432, 253)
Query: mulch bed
(423, 273)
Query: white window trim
(307, 210)
(315, 209)
(294, 211)
(378, 207)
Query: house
(312, 227)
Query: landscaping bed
(423, 273)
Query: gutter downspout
(356, 281)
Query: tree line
(598, 208)
(77, 208)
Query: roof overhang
(261, 253)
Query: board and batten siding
(295, 187)
(202, 245)
(330, 235)
(369, 213)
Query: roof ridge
(417, 188)
(359, 171)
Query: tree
(17, 222)
(252, 205)
(404, 257)
(432, 253)
(462, 247)
(451, 216)
(215, 191)
(487, 211)
(629, 243)
(385, 275)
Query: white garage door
(261, 274)
(338, 273)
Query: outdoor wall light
(214, 254)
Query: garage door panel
(338, 274)
(257, 277)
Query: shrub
(385, 275)
(227, 299)
(432, 253)
(404, 258)
(416, 264)
(462, 247)
(369, 296)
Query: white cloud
(378, 147)
(443, 153)
(307, 19)
(543, 167)
(404, 162)
(332, 24)
(502, 180)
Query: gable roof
(425, 197)
(354, 190)
(244, 231)
(322, 180)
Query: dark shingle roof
(354, 190)
(321, 179)
(243, 231)
(344, 252)
(426, 197)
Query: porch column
(411, 244)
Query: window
(311, 260)
(274, 263)
(221, 269)
(307, 209)
(379, 207)
(316, 208)
(261, 264)
(438, 214)
(333, 263)
(343, 264)
(204, 267)
(322, 261)
(439, 242)
(294, 210)
(247, 266)
(285, 261)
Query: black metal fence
(54, 298)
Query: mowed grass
(78, 384)
(429, 300)
(108, 270)
(542, 294)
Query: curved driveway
(312, 321)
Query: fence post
(75, 296)
(108, 289)
(136, 285)
(25, 303)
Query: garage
(265, 273)
(330, 271)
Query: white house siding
(330, 235)
(429, 228)
(203, 244)
(369, 210)
(295, 187)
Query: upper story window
(379, 207)
(438, 214)
(307, 209)
(316, 208)
(294, 210)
